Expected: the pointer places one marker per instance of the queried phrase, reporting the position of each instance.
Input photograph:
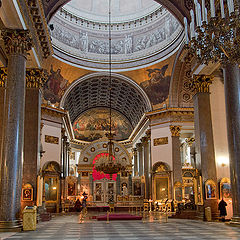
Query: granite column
(176, 155)
(232, 92)
(17, 43)
(205, 158)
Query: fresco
(55, 86)
(157, 86)
(94, 124)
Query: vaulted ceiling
(127, 97)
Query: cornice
(33, 14)
(170, 111)
(52, 111)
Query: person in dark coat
(222, 208)
(78, 205)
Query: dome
(143, 33)
(121, 10)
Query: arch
(180, 94)
(51, 167)
(160, 167)
(91, 91)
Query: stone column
(146, 165)
(64, 160)
(176, 155)
(232, 91)
(3, 80)
(118, 185)
(129, 183)
(204, 137)
(34, 81)
(140, 158)
(135, 161)
(17, 43)
(68, 158)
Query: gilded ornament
(16, 41)
(3, 76)
(35, 78)
(201, 83)
(160, 141)
(190, 141)
(175, 130)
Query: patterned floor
(68, 227)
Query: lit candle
(222, 9)
(186, 29)
(203, 11)
(212, 4)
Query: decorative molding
(16, 41)
(201, 83)
(36, 13)
(51, 139)
(3, 76)
(35, 77)
(190, 141)
(160, 141)
(167, 115)
(175, 130)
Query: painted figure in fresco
(55, 86)
(95, 124)
(157, 87)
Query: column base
(11, 226)
(235, 221)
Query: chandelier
(109, 164)
(217, 38)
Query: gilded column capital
(148, 133)
(190, 141)
(16, 41)
(144, 140)
(3, 76)
(175, 130)
(134, 151)
(35, 77)
(201, 83)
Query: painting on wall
(225, 188)
(157, 86)
(94, 124)
(55, 86)
(210, 188)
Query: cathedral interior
(122, 105)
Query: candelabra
(218, 39)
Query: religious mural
(55, 86)
(94, 124)
(157, 86)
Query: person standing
(222, 208)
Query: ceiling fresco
(94, 124)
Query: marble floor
(68, 227)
